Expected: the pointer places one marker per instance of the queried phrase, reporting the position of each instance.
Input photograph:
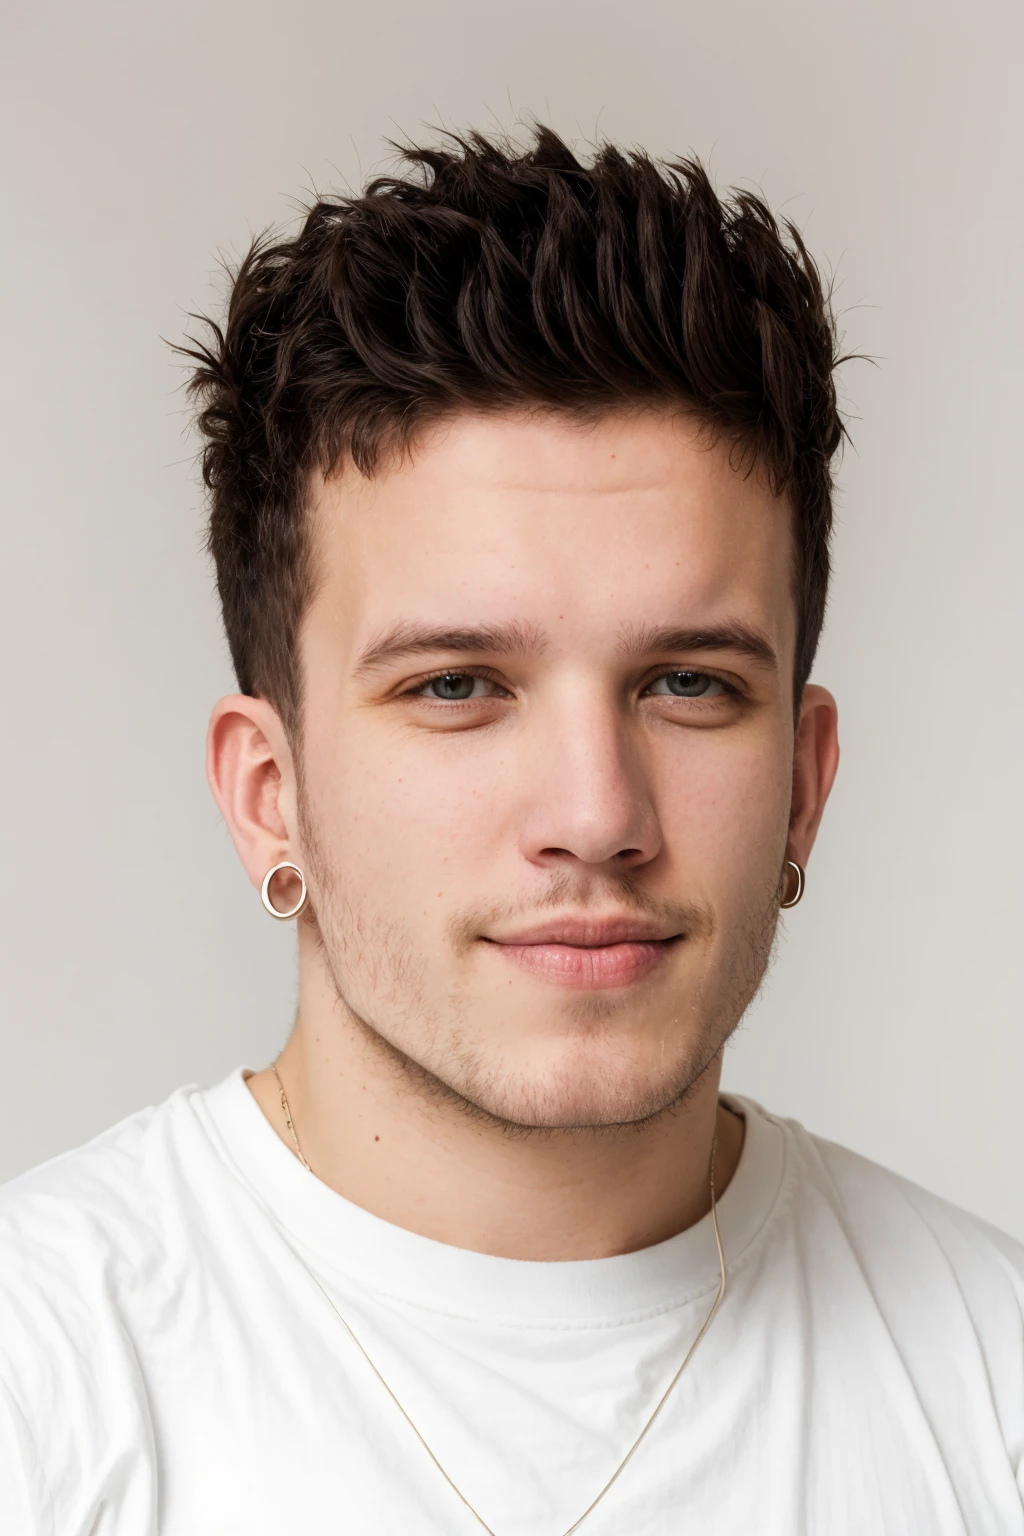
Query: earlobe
(250, 771)
(793, 884)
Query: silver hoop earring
(801, 881)
(299, 906)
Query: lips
(588, 953)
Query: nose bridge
(588, 793)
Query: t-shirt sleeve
(25, 1507)
(76, 1442)
(1012, 1255)
(954, 1270)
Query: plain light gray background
(141, 140)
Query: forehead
(579, 528)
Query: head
(521, 502)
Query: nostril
(620, 856)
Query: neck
(385, 1137)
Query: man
(521, 496)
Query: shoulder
(888, 1212)
(95, 1195)
(77, 1235)
(934, 1271)
(99, 1253)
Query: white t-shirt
(168, 1365)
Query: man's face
(547, 756)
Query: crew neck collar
(340, 1236)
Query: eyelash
(415, 691)
(484, 673)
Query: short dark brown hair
(493, 277)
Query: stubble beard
(431, 1048)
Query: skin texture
(473, 1057)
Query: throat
(457, 1175)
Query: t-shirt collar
(333, 1234)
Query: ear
(252, 774)
(815, 760)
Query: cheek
(403, 820)
(725, 810)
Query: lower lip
(589, 969)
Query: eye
(454, 687)
(687, 685)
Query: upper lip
(588, 932)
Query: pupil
(688, 685)
(454, 686)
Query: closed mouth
(587, 953)
(589, 933)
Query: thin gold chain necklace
(449, 1480)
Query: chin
(599, 1091)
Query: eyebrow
(736, 637)
(518, 639)
(409, 639)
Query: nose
(586, 794)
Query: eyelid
(730, 684)
(411, 687)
